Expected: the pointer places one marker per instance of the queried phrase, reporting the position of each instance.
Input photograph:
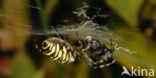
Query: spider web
(84, 28)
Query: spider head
(94, 43)
(88, 39)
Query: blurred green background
(133, 20)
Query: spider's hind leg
(105, 65)
(108, 64)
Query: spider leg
(36, 45)
(78, 49)
(55, 32)
(87, 58)
(111, 43)
(106, 65)
(79, 41)
(100, 61)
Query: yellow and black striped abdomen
(57, 52)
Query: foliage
(137, 30)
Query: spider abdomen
(58, 50)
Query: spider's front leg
(80, 42)
(111, 48)
(87, 58)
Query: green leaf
(127, 9)
(50, 6)
(22, 67)
(135, 41)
